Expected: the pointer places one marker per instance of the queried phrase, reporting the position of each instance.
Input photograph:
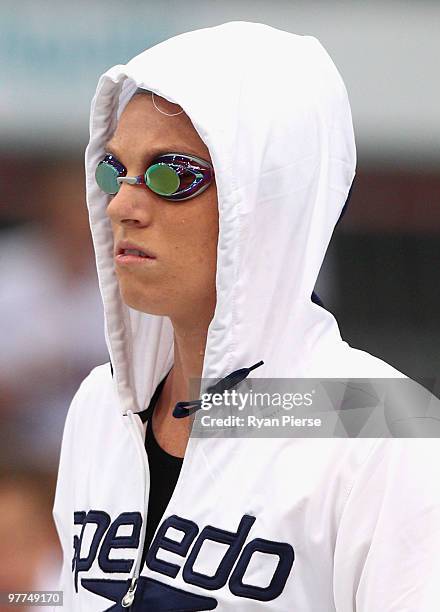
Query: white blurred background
(381, 274)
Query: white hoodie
(293, 525)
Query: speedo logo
(183, 538)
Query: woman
(212, 201)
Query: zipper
(227, 382)
(129, 596)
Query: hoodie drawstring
(181, 410)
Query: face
(179, 280)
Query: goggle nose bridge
(131, 180)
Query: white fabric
(361, 515)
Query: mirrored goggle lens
(106, 176)
(162, 179)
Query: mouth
(130, 253)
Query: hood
(274, 114)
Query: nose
(132, 205)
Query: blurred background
(381, 274)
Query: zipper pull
(128, 598)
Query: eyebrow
(152, 151)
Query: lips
(128, 254)
(125, 248)
(135, 252)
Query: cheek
(193, 238)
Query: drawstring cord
(181, 409)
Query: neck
(189, 354)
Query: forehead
(142, 125)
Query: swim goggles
(173, 176)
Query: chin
(142, 304)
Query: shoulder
(98, 383)
(336, 358)
(365, 365)
(99, 377)
(94, 421)
(95, 399)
